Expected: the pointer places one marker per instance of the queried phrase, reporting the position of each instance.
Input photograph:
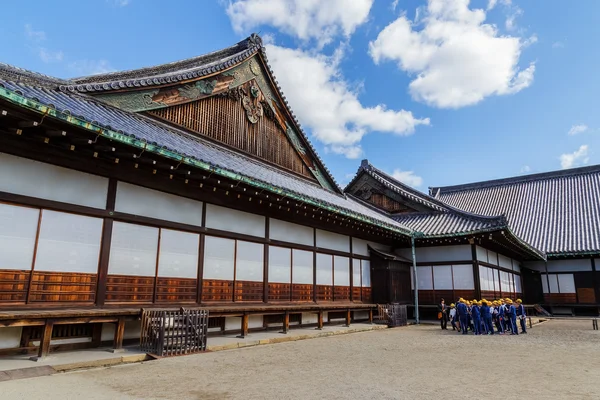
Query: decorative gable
(238, 107)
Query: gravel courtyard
(557, 360)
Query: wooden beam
(244, 327)
(286, 322)
(320, 320)
(119, 334)
(371, 316)
(348, 317)
(44, 348)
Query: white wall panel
(483, 278)
(137, 200)
(324, 269)
(492, 257)
(227, 219)
(302, 266)
(280, 264)
(178, 254)
(10, 337)
(481, 254)
(32, 178)
(18, 227)
(518, 288)
(463, 277)
(439, 253)
(356, 274)
(553, 283)
(366, 273)
(249, 264)
(68, 243)
(570, 265)
(341, 271)
(218, 258)
(333, 241)
(360, 246)
(133, 250)
(442, 277)
(566, 283)
(424, 278)
(504, 262)
(292, 233)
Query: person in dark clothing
(463, 315)
(443, 314)
(486, 316)
(476, 316)
(521, 316)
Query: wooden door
(532, 287)
(400, 291)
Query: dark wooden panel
(560, 298)
(356, 293)
(444, 294)
(249, 291)
(341, 293)
(176, 290)
(224, 119)
(279, 291)
(302, 292)
(13, 286)
(63, 286)
(129, 289)
(427, 297)
(586, 295)
(366, 295)
(324, 293)
(465, 294)
(217, 290)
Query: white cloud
(407, 177)
(558, 45)
(577, 158)
(32, 34)
(394, 5)
(510, 23)
(90, 67)
(118, 3)
(525, 169)
(48, 56)
(305, 19)
(456, 58)
(325, 102)
(579, 128)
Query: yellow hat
(452, 305)
(461, 299)
(519, 301)
(509, 301)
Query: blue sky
(435, 92)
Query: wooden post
(97, 335)
(119, 333)
(348, 317)
(320, 320)
(371, 316)
(244, 327)
(44, 348)
(286, 322)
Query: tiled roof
(558, 212)
(178, 141)
(441, 220)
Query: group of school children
(482, 316)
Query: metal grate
(170, 333)
(392, 315)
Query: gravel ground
(557, 360)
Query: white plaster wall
(233, 323)
(438, 253)
(359, 246)
(333, 241)
(310, 318)
(255, 321)
(227, 219)
(32, 178)
(108, 332)
(132, 329)
(10, 337)
(290, 232)
(361, 315)
(561, 265)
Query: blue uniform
(512, 313)
(521, 315)
(461, 308)
(486, 316)
(501, 319)
(476, 316)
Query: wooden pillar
(266, 263)
(351, 269)
(371, 316)
(595, 281)
(119, 333)
(111, 199)
(44, 348)
(244, 327)
(348, 317)
(320, 320)
(286, 322)
(97, 335)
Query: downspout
(416, 286)
(548, 280)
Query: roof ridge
(17, 74)
(516, 179)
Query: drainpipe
(548, 280)
(414, 260)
